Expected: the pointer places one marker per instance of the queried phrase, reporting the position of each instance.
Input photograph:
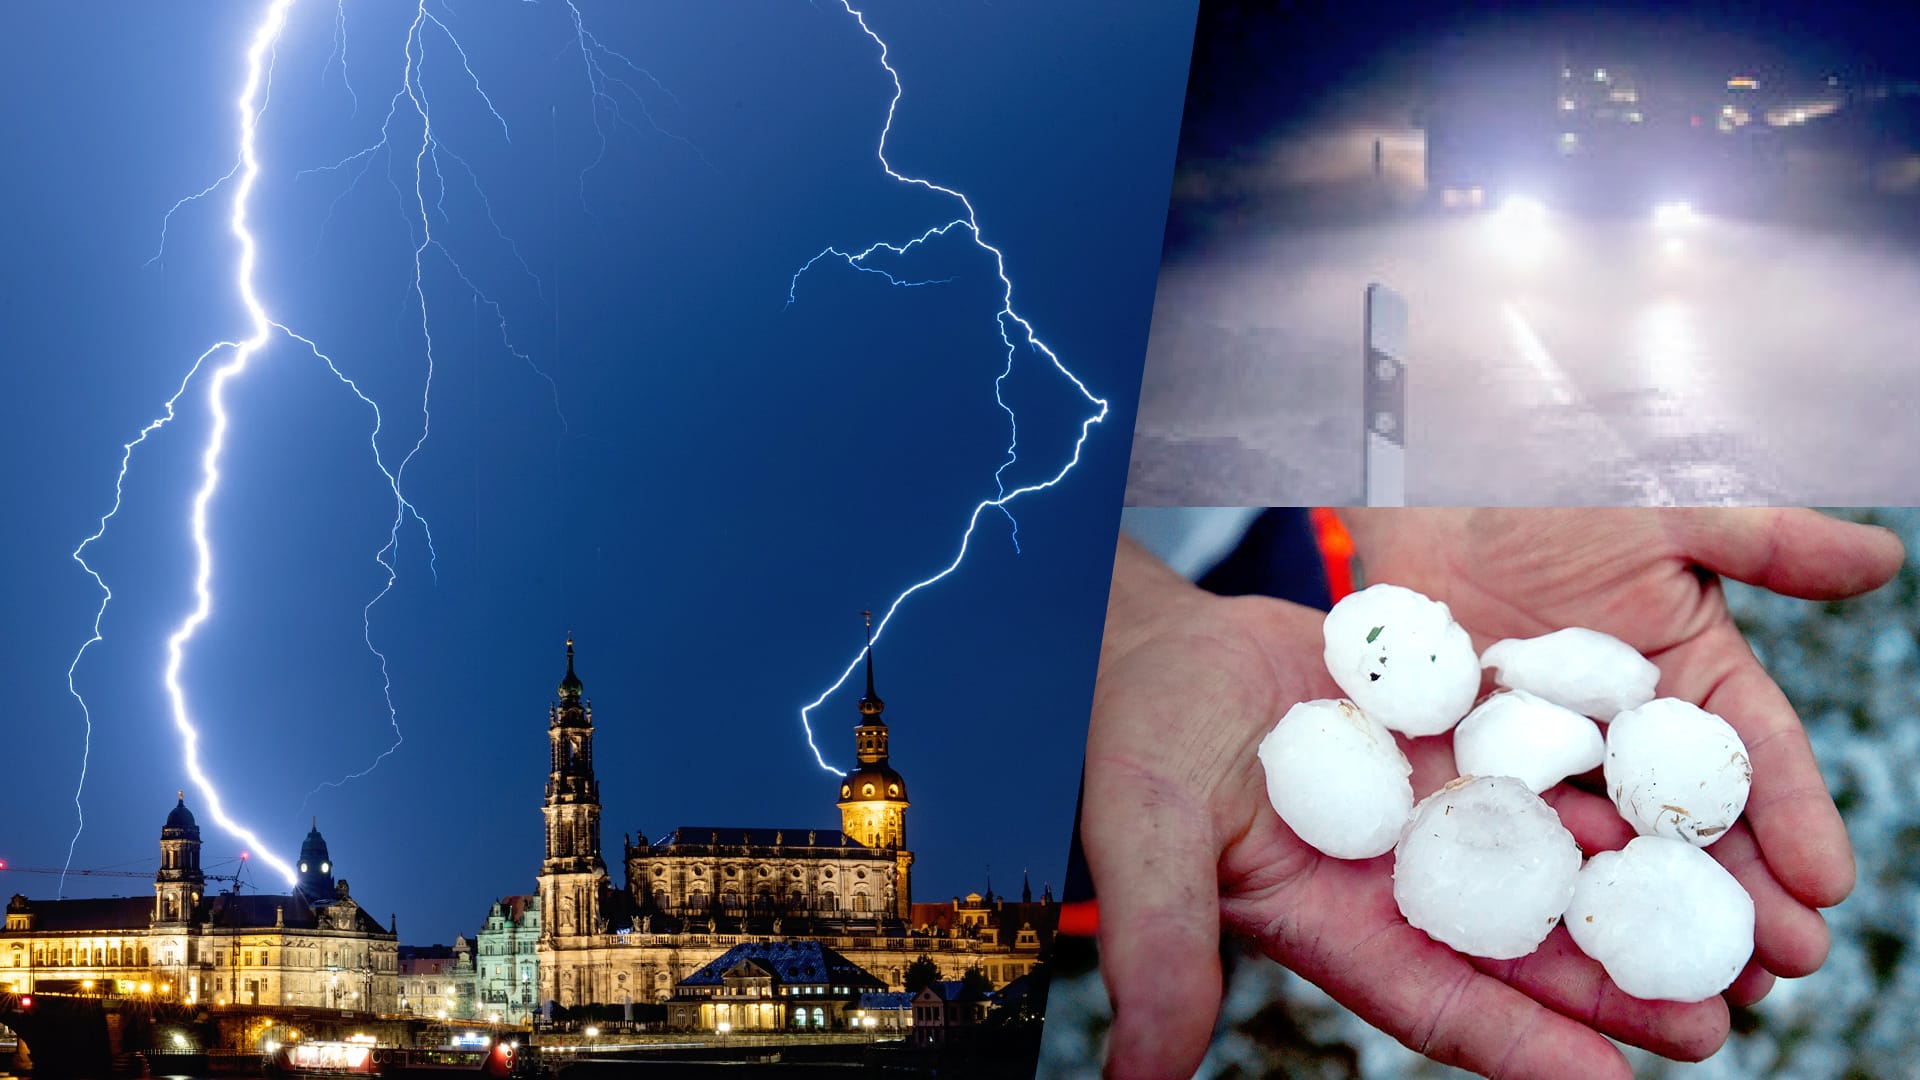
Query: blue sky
(724, 482)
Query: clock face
(326, 868)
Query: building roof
(515, 907)
(180, 821)
(1005, 916)
(216, 911)
(952, 990)
(891, 999)
(803, 962)
(427, 965)
(106, 913)
(705, 838)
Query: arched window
(145, 960)
(860, 901)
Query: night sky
(722, 486)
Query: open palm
(1180, 837)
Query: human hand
(1648, 578)
(1175, 802)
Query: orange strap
(1336, 551)
(1080, 918)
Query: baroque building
(314, 946)
(699, 891)
(507, 972)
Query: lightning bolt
(1006, 318)
(229, 360)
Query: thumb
(1800, 553)
(1150, 850)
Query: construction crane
(143, 874)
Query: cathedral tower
(315, 880)
(573, 878)
(873, 798)
(177, 887)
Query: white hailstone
(1666, 921)
(1485, 867)
(1676, 770)
(1337, 778)
(1513, 733)
(1592, 673)
(1402, 659)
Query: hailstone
(1485, 867)
(1592, 673)
(1401, 657)
(1673, 769)
(1513, 733)
(1666, 920)
(1337, 778)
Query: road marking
(1561, 388)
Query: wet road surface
(1563, 360)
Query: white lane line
(1560, 387)
(1550, 372)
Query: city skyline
(713, 485)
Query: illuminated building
(507, 976)
(314, 946)
(697, 892)
(438, 980)
(772, 986)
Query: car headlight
(1673, 215)
(1522, 210)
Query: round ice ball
(1402, 659)
(1337, 778)
(1513, 733)
(1592, 673)
(1485, 867)
(1674, 769)
(1665, 920)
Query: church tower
(573, 878)
(177, 887)
(315, 880)
(873, 798)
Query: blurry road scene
(1643, 262)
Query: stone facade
(312, 947)
(507, 965)
(698, 892)
(439, 981)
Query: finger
(1799, 553)
(1339, 927)
(1561, 977)
(1152, 858)
(1792, 815)
(1436, 1003)
(1789, 938)
(1592, 819)
(1752, 984)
